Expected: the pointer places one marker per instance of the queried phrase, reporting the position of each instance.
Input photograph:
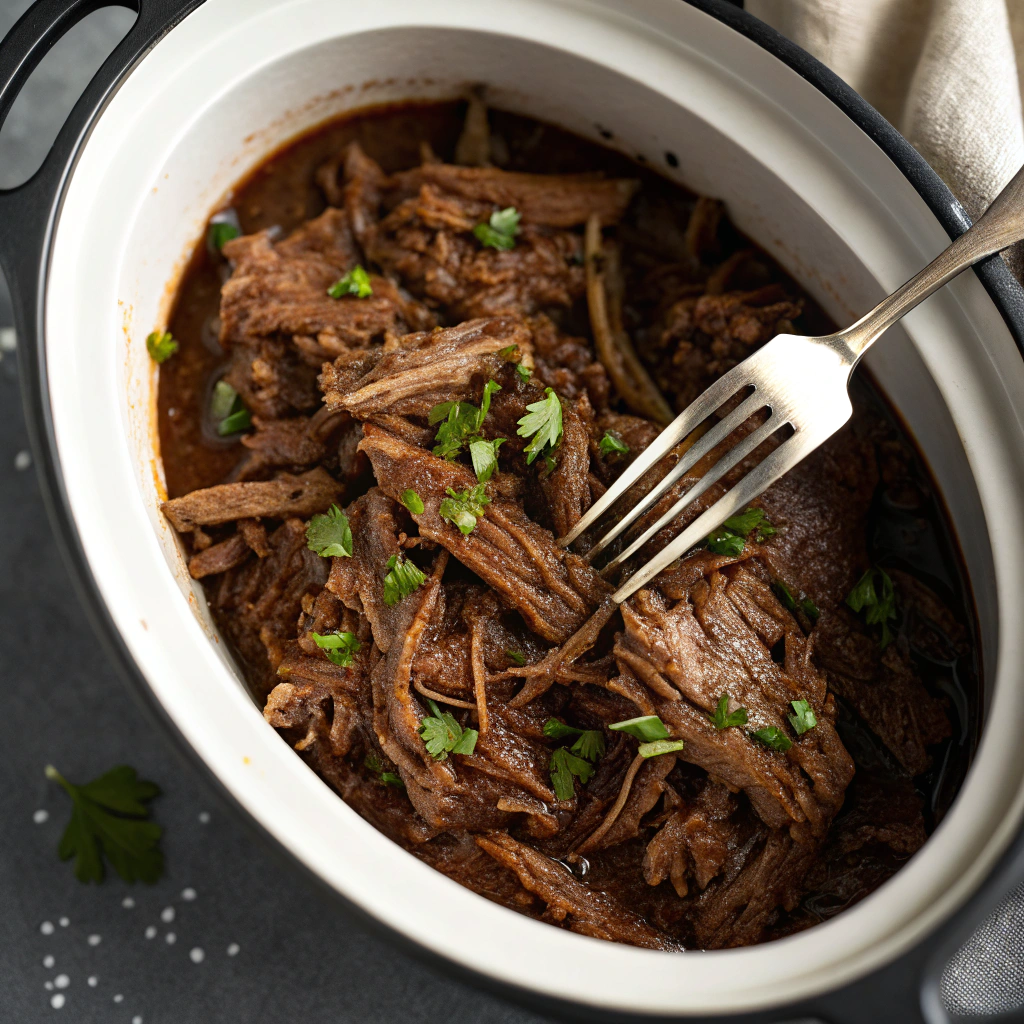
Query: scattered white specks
(137, 1019)
(22, 460)
(8, 339)
(46, 927)
(40, 816)
(233, 949)
(92, 981)
(197, 956)
(119, 998)
(57, 1000)
(48, 985)
(170, 938)
(94, 940)
(61, 981)
(188, 894)
(63, 922)
(127, 903)
(48, 961)
(204, 817)
(167, 915)
(151, 932)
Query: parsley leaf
(772, 736)
(612, 445)
(108, 819)
(646, 728)
(542, 422)
(590, 745)
(443, 735)
(374, 763)
(804, 719)
(725, 542)
(412, 501)
(803, 603)
(329, 534)
(461, 423)
(339, 647)
(722, 719)
(501, 230)
(730, 538)
(525, 373)
(219, 232)
(227, 408)
(356, 282)
(161, 346)
(518, 658)
(508, 352)
(565, 765)
(659, 747)
(464, 509)
(557, 730)
(875, 596)
(403, 578)
(485, 457)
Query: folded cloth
(946, 73)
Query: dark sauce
(908, 529)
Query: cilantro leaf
(465, 508)
(646, 728)
(803, 604)
(612, 445)
(329, 534)
(412, 501)
(804, 719)
(730, 538)
(772, 736)
(108, 820)
(356, 282)
(442, 735)
(875, 596)
(542, 422)
(403, 578)
(161, 346)
(227, 408)
(517, 657)
(338, 646)
(722, 719)
(460, 422)
(590, 745)
(389, 778)
(565, 765)
(659, 747)
(501, 230)
(485, 457)
(219, 232)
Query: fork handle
(1001, 225)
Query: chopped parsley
(329, 534)
(460, 424)
(660, 747)
(220, 232)
(804, 718)
(109, 820)
(722, 719)
(542, 422)
(517, 657)
(403, 578)
(356, 282)
(772, 736)
(465, 508)
(612, 445)
(161, 346)
(442, 735)
(374, 763)
(338, 646)
(875, 596)
(228, 410)
(501, 230)
(589, 743)
(484, 455)
(509, 352)
(646, 728)
(525, 373)
(730, 538)
(802, 603)
(412, 501)
(564, 766)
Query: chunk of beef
(219, 557)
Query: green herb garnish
(646, 728)
(875, 596)
(403, 578)
(508, 352)
(517, 657)
(525, 373)
(109, 819)
(729, 539)
(460, 424)
(802, 603)
(356, 282)
(220, 232)
(338, 646)
(565, 765)
(611, 445)
(660, 747)
(484, 455)
(804, 719)
(443, 735)
(722, 719)
(329, 534)
(374, 763)
(589, 742)
(542, 422)
(161, 346)
(412, 501)
(501, 230)
(772, 736)
(228, 410)
(465, 508)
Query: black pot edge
(1008, 296)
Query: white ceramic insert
(239, 77)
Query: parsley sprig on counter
(403, 578)
(875, 596)
(329, 534)
(442, 735)
(500, 230)
(356, 282)
(731, 537)
(109, 819)
(338, 646)
(543, 423)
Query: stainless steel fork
(802, 385)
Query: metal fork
(802, 383)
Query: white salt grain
(46, 928)
(48, 985)
(40, 816)
(61, 981)
(197, 956)
(63, 922)
(119, 998)
(94, 940)
(48, 961)
(204, 817)
(233, 949)
(57, 1000)
(170, 938)
(128, 903)
(92, 981)
(167, 915)
(22, 460)
(136, 1019)
(8, 339)
(151, 932)
(188, 894)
